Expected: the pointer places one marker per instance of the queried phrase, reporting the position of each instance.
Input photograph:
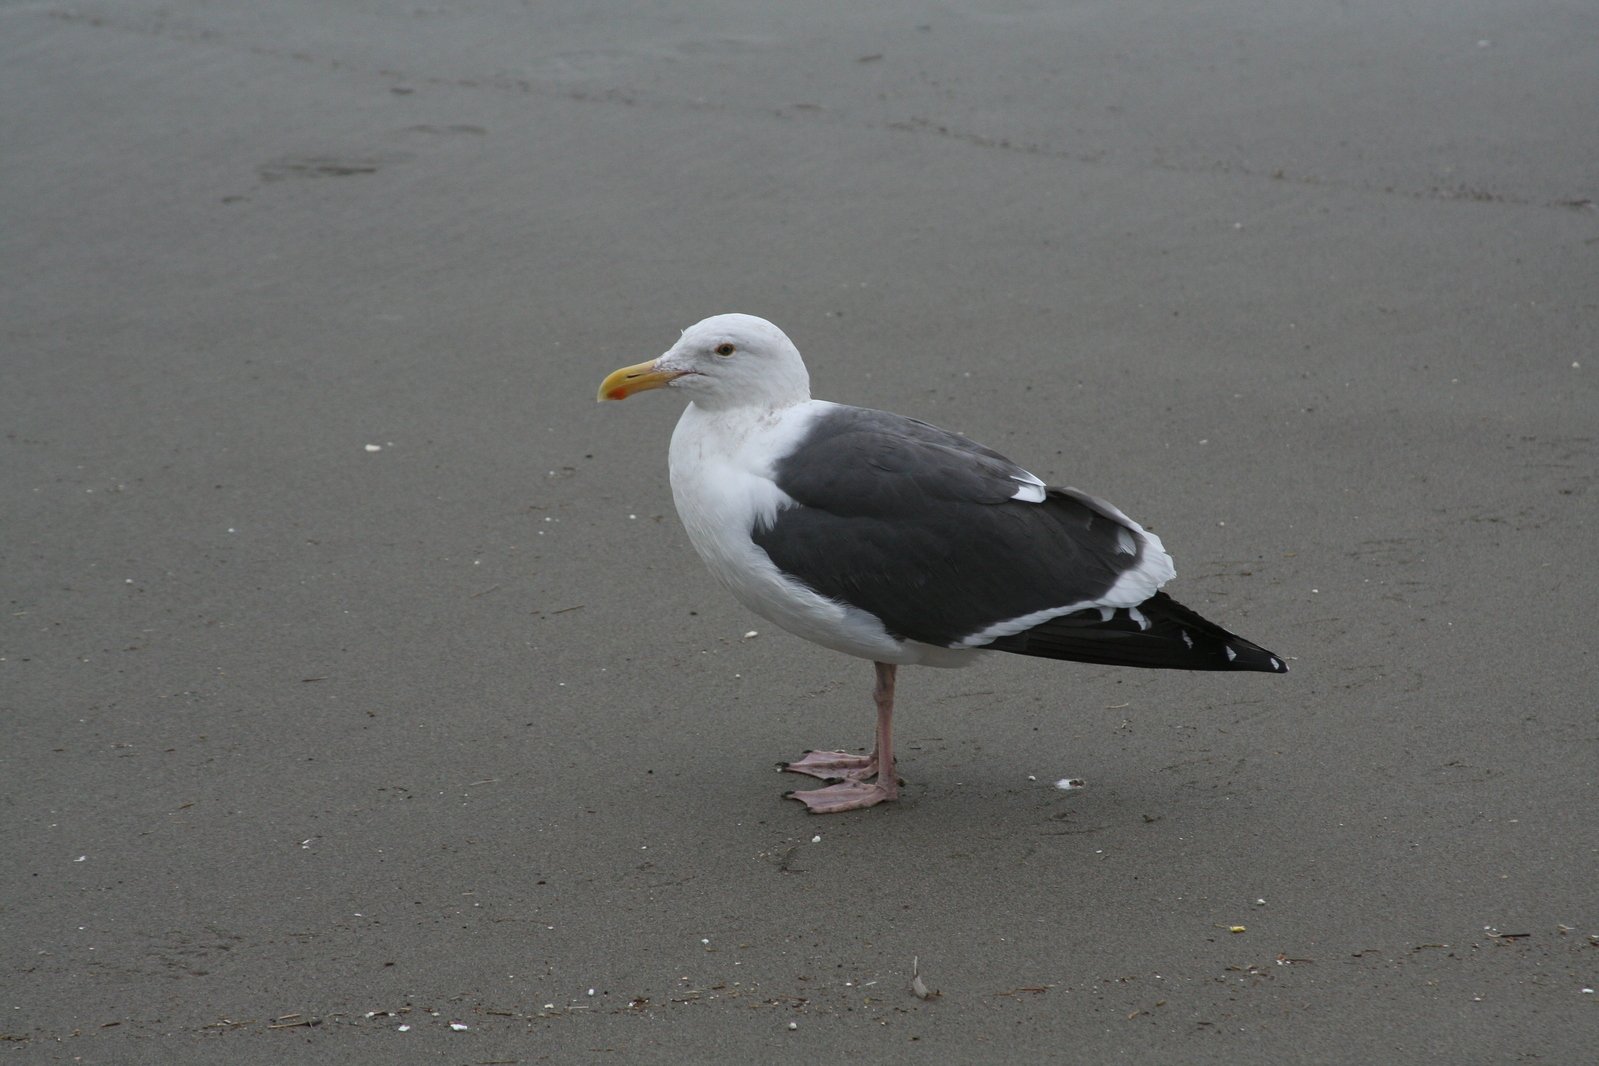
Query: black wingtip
(1246, 655)
(1159, 634)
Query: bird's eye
(725, 349)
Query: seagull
(892, 540)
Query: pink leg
(856, 789)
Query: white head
(724, 361)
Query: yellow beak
(620, 384)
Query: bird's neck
(752, 409)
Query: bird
(889, 539)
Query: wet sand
(358, 679)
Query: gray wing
(921, 528)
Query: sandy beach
(362, 700)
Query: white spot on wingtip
(1276, 665)
(1188, 640)
(1231, 655)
